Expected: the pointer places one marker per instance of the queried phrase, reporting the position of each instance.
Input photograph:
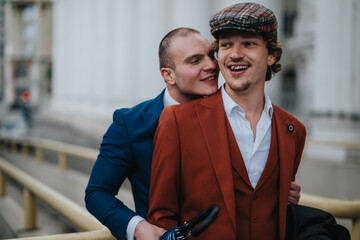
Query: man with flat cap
(234, 148)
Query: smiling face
(195, 72)
(243, 59)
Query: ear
(271, 59)
(168, 75)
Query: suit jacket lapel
(151, 117)
(212, 120)
(286, 143)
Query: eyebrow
(194, 56)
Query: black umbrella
(207, 216)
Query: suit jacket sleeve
(109, 172)
(165, 170)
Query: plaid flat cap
(251, 17)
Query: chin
(211, 92)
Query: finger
(293, 200)
(294, 194)
(295, 186)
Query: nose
(236, 53)
(210, 64)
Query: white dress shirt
(130, 230)
(254, 153)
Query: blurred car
(13, 126)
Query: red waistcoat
(256, 209)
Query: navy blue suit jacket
(126, 152)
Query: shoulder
(155, 104)
(181, 111)
(288, 118)
(206, 102)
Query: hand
(294, 193)
(147, 231)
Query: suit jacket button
(290, 128)
(253, 219)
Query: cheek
(186, 73)
(194, 73)
(220, 59)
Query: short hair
(165, 55)
(273, 46)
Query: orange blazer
(191, 167)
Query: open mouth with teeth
(238, 68)
(212, 79)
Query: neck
(181, 97)
(252, 102)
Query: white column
(105, 54)
(333, 46)
(121, 53)
(12, 47)
(355, 59)
(193, 14)
(150, 21)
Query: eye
(225, 44)
(195, 61)
(249, 44)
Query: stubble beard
(243, 87)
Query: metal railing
(67, 208)
(348, 209)
(339, 208)
(63, 149)
(347, 145)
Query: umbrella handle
(207, 216)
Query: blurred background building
(75, 61)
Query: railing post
(9, 146)
(25, 149)
(2, 183)
(13, 147)
(40, 154)
(62, 160)
(355, 233)
(30, 209)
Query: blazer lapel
(151, 117)
(212, 120)
(286, 144)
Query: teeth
(210, 78)
(238, 68)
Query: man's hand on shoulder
(148, 231)
(294, 194)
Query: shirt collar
(168, 100)
(268, 107)
(230, 104)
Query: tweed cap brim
(250, 17)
